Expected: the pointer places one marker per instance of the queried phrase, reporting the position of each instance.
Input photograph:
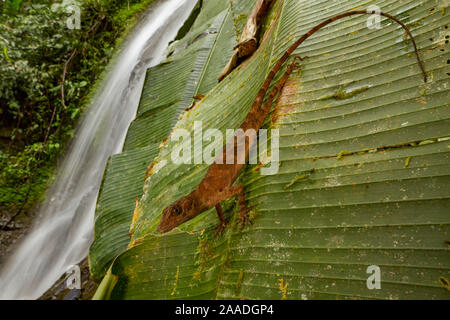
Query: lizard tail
(294, 46)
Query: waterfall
(63, 229)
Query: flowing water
(63, 230)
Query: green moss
(239, 24)
(407, 162)
(205, 251)
(175, 284)
(296, 179)
(239, 281)
(342, 94)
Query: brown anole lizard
(217, 185)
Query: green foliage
(17, 168)
(38, 51)
(11, 5)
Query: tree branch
(66, 66)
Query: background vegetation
(38, 108)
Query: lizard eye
(177, 210)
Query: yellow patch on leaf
(137, 212)
(422, 101)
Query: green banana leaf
(122, 184)
(185, 73)
(364, 167)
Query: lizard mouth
(163, 229)
(168, 224)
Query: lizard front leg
(243, 213)
(222, 224)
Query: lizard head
(177, 213)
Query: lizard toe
(220, 228)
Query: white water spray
(63, 231)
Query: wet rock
(73, 294)
(59, 290)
